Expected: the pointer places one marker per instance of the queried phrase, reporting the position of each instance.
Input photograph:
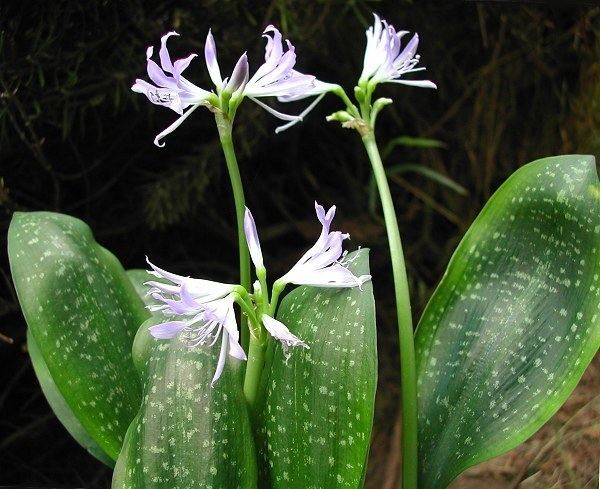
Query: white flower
(386, 61)
(280, 332)
(320, 265)
(198, 311)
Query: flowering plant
(154, 375)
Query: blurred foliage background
(516, 82)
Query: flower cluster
(276, 77)
(200, 312)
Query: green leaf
(515, 320)
(82, 314)
(411, 142)
(59, 405)
(186, 434)
(138, 277)
(318, 411)
(428, 173)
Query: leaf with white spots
(60, 407)
(515, 320)
(82, 313)
(186, 434)
(318, 410)
(138, 277)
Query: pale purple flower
(171, 89)
(198, 312)
(252, 239)
(276, 77)
(386, 60)
(320, 266)
(280, 332)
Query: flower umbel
(276, 77)
(386, 60)
(199, 312)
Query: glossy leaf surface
(515, 320)
(186, 434)
(138, 277)
(60, 407)
(83, 313)
(318, 411)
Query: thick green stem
(405, 326)
(254, 369)
(224, 127)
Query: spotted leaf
(60, 407)
(82, 313)
(515, 320)
(186, 434)
(318, 410)
(138, 277)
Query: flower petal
(279, 115)
(301, 116)
(239, 76)
(163, 53)
(235, 349)
(158, 76)
(159, 272)
(333, 276)
(181, 64)
(210, 56)
(252, 239)
(222, 358)
(168, 330)
(173, 126)
(159, 96)
(280, 332)
(415, 83)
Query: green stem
(405, 326)
(254, 369)
(277, 290)
(224, 125)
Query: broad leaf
(138, 277)
(187, 434)
(318, 412)
(59, 405)
(82, 313)
(515, 320)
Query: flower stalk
(224, 126)
(408, 372)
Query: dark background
(516, 81)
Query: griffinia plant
(502, 343)
(201, 311)
(276, 77)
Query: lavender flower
(276, 77)
(252, 239)
(172, 90)
(320, 265)
(199, 311)
(385, 61)
(280, 332)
